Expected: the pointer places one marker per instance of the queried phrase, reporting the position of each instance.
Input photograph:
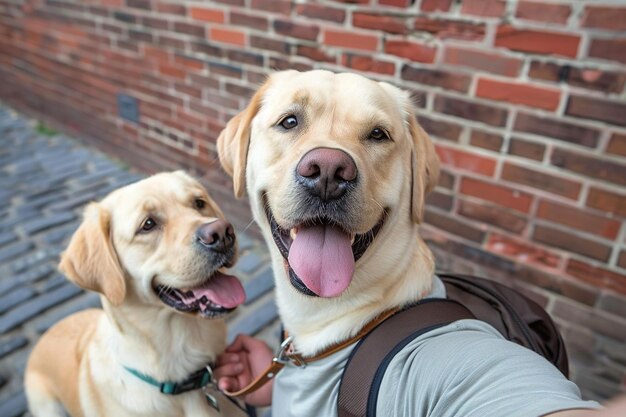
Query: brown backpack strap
(355, 390)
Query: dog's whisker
(248, 225)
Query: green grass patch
(44, 130)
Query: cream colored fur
(79, 363)
(338, 110)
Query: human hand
(243, 361)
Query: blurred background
(524, 100)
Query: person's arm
(242, 361)
(615, 408)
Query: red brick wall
(524, 100)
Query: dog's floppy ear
(90, 260)
(234, 140)
(424, 167)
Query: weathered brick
(606, 200)
(541, 180)
(604, 17)
(543, 12)
(617, 144)
(207, 14)
(274, 6)
(609, 111)
(440, 128)
(610, 49)
(269, 44)
(450, 29)
(613, 303)
(413, 51)
(571, 242)
(315, 54)
(124, 17)
(446, 179)
(239, 18)
(555, 128)
(497, 194)
(487, 8)
(454, 225)
(189, 29)
(598, 276)
(287, 64)
(435, 5)
(385, 23)
(476, 255)
(522, 251)
(296, 30)
(350, 40)
(578, 219)
(517, 93)
(590, 166)
(486, 140)
(595, 79)
(492, 215)
(440, 200)
(322, 12)
(466, 161)
(396, 3)
(527, 149)
(537, 41)
(558, 284)
(171, 8)
(471, 110)
(155, 23)
(234, 37)
(438, 78)
(368, 64)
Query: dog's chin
(213, 298)
(353, 245)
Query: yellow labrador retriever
(156, 251)
(336, 168)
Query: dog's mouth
(320, 254)
(217, 296)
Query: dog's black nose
(326, 173)
(218, 235)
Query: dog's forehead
(157, 192)
(324, 88)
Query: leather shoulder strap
(358, 390)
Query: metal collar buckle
(283, 356)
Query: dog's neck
(382, 281)
(159, 342)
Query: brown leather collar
(287, 354)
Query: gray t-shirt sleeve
(467, 369)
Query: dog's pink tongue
(322, 258)
(224, 290)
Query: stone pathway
(45, 180)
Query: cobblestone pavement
(45, 180)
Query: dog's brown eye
(289, 122)
(148, 225)
(378, 134)
(200, 204)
